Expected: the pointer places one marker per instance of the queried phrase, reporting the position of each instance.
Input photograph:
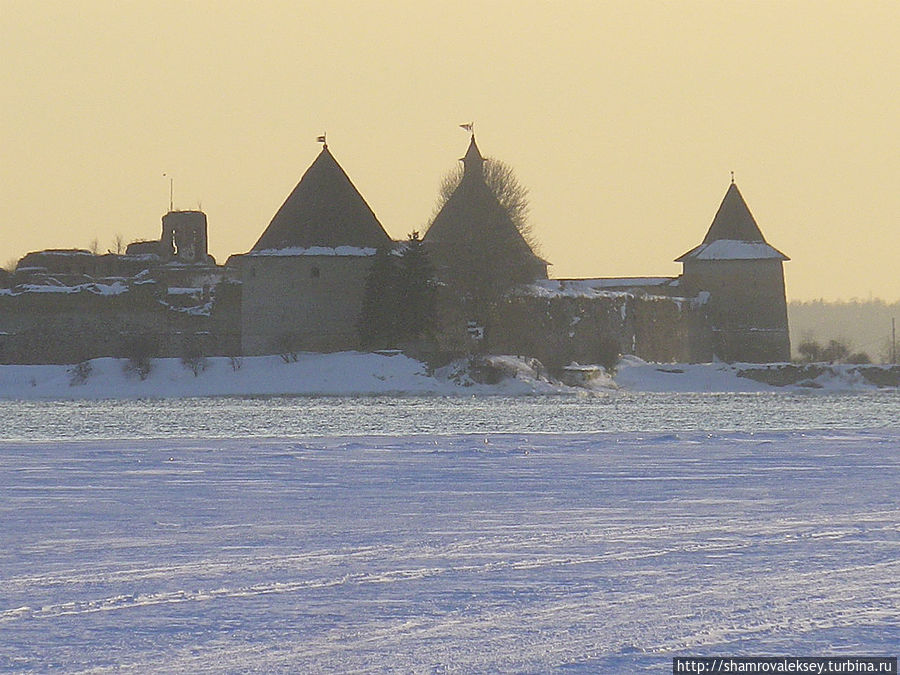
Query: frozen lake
(303, 416)
(408, 535)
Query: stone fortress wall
(301, 289)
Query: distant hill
(864, 325)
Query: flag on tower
(468, 127)
(320, 139)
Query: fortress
(302, 287)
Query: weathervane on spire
(732, 177)
(470, 127)
(321, 139)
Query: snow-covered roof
(586, 288)
(731, 249)
(733, 235)
(97, 289)
(197, 310)
(620, 282)
(64, 252)
(590, 288)
(574, 288)
(292, 251)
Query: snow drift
(356, 373)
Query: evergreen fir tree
(378, 317)
(417, 315)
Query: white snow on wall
(622, 282)
(66, 252)
(554, 288)
(732, 249)
(115, 288)
(343, 251)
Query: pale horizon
(623, 120)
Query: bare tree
(94, 246)
(119, 243)
(836, 351)
(139, 350)
(193, 356)
(79, 373)
(287, 346)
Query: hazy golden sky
(623, 119)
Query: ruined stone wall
(81, 323)
(594, 330)
(671, 329)
(225, 319)
(560, 330)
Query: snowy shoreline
(361, 374)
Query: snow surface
(356, 373)
(639, 375)
(592, 553)
(115, 288)
(610, 282)
(599, 288)
(65, 252)
(343, 373)
(314, 250)
(554, 288)
(734, 249)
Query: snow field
(356, 373)
(590, 553)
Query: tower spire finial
(473, 162)
(171, 191)
(321, 139)
(732, 177)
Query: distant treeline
(863, 325)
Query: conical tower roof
(733, 235)
(473, 214)
(733, 220)
(325, 209)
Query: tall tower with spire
(473, 241)
(743, 276)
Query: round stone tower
(744, 279)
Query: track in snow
(584, 553)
